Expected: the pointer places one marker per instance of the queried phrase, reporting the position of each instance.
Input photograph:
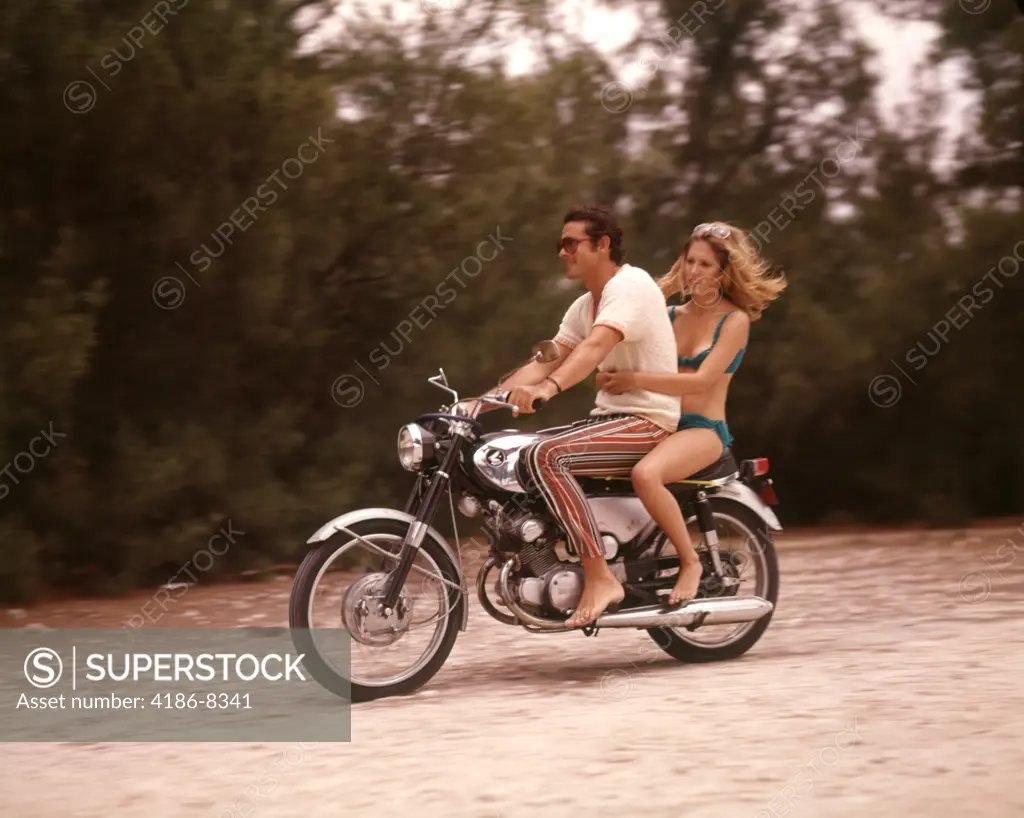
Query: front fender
(742, 493)
(351, 517)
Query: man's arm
(585, 358)
(617, 316)
(529, 375)
(580, 363)
(534, 372)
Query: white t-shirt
(632, 303)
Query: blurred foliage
(428, 157)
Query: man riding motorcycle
(620, 323)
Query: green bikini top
(697, 360)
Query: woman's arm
(731, 339)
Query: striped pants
(600, 448)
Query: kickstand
(698, 620)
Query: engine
(547, 581)
(549, 584)
(557, 590)
(550, 579)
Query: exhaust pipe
(481, 591)
(730, 610)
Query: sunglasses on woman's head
(719, 231)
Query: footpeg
(588, 630)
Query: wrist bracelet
(549, 378)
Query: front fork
(427, 507)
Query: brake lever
(493, 401)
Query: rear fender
(742, 493)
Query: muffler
(726, 611)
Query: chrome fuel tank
(495, 461)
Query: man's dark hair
(600, 221)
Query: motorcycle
(372, 553)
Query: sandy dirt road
(889, 684)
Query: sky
(901, 46)
(901, 49)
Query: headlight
(415, 446)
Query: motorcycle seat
(725, 466)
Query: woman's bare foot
(687, 584)
(599, 593)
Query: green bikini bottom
(692, 420)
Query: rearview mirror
(545, 352)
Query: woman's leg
(676, 458)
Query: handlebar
(538, 403)
(501, 399)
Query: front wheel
(339, 587)
(747, 553)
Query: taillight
(768, 493)
(760, 466)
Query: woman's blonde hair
(746, 280)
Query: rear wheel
(747, 552)
(335, 604)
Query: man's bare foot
(687, 584)
(597, 595)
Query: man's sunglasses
(569, 244)
(717, 230)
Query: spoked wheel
(747, 553)
(337, 598)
